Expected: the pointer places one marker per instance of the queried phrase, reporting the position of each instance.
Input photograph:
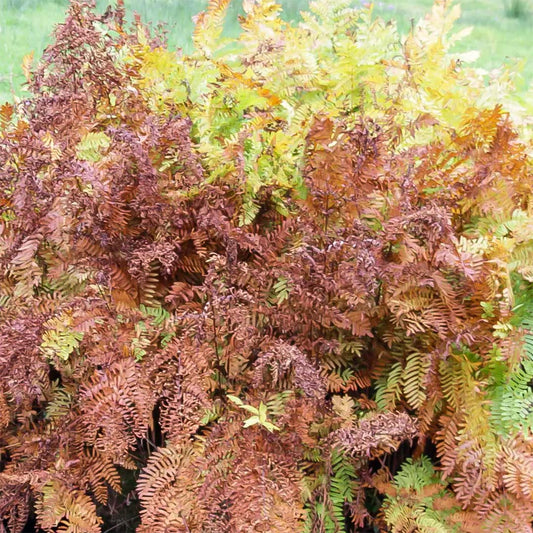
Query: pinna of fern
(268, 286)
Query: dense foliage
(281, 284)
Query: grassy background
(25, 26)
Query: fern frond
(209, 25)
(69, 510)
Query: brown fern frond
(376, 435)
(284, 366)
(168, 488)
(59, 506)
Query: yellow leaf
(27, 61)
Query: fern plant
(418, 500)
(279, 284)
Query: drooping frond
(209, 26)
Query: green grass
(25, 26)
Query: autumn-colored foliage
(281, 284)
